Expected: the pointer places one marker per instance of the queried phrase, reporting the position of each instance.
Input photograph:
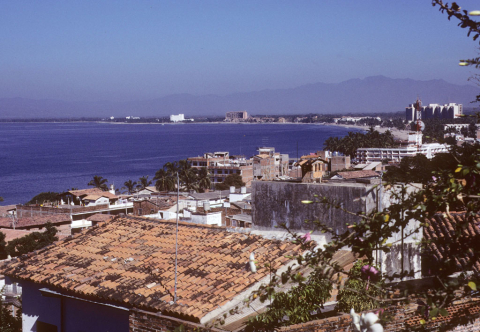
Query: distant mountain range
(370, 95)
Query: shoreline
(399, 134)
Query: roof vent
(253, 267)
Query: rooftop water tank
(206, 206)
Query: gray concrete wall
(274, 203)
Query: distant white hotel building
(354, 118)
(447, 111)
(177, 118)
(410, 148)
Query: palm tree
(129, 186)
(99, 182)
(203, 179)
(188, 175)
(144, 182)
(165, 181)
(171, 168)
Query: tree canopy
(234, 180)
(32, 241)
(349, 144)
(99, 182)
(41, 198)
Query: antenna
(176, 240)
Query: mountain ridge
(371, 94)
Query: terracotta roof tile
(446, 243)
(358, 174)
(112, 262)
(40, 220)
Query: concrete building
(177, 118)
(276, 203)
(446, 111)
(236, 116)
(268, 164)
(409, 148)
(209, 159)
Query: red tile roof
(39, 220)
(358, 174)
(91, 191)
(444, 245)
(130, 260)
(100, 217)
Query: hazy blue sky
(128, 50)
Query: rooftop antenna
(176, 240)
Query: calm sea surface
(37, 157)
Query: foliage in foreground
(361, 290)
(456, 188)
(9, 323)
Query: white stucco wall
(213, 218)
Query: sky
(139, 50)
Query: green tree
(188, 176)
(417, 169)
(165, 180)
(99, 182)
(144, 182)
(3, 244)
(9, 323)
(361, 290)
(204, 181)
(129, 186)
(349, 144)
(32, 242)
(41, 198)
(231, 180)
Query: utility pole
(176, 240)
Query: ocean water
(38, 157)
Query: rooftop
(130, 261)
(443, 244)
(38, 220)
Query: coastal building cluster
(431, 111)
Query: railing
(12, 290)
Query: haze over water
(38, 157)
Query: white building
(411, 148)
(456, 126)
(177, 118)
(447, 111)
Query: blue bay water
(38, 157)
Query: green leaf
(443, 312)
(307, 202)
(434, 312)
(422, 321)
(456, 171)
(472, 285)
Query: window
(139, 212)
